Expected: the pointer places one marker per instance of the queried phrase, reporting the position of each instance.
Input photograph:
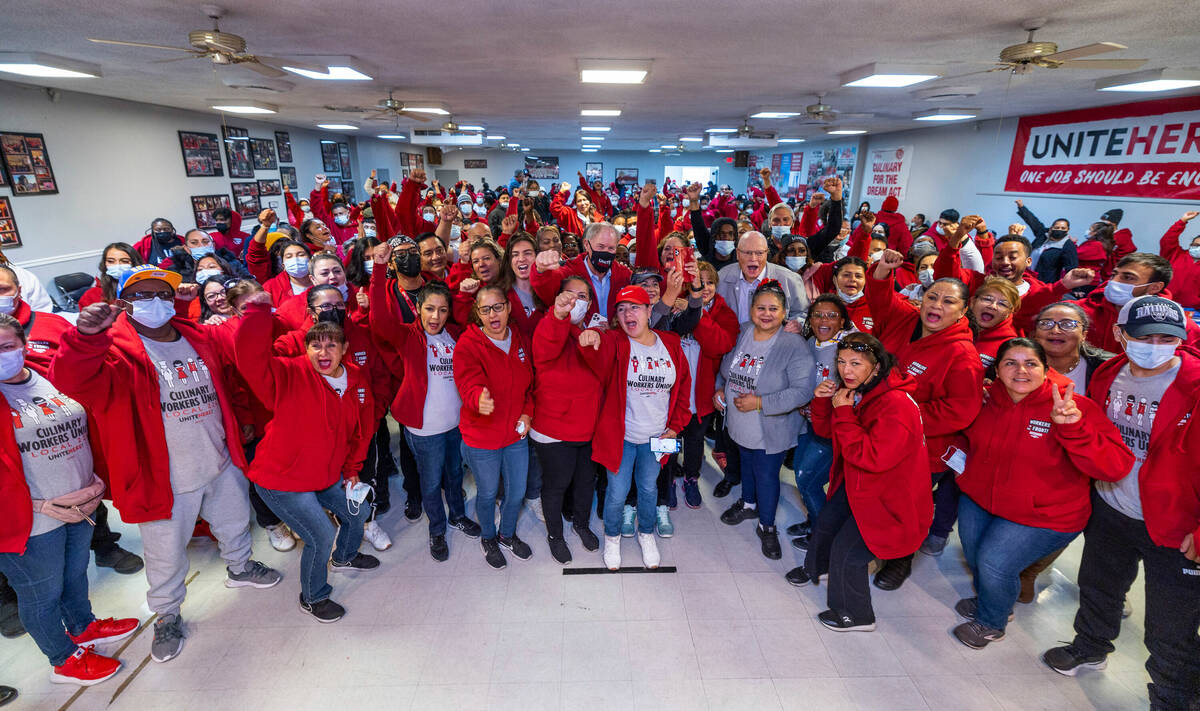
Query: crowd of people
(575, 349)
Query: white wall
(119, 166)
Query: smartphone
(596, 322)
(660, 445)
(687, 255)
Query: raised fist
(547, 260)
(96, 318)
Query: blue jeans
(760, 481)
(814, 457)
(997, 550)
(487, 465)
(638, 464)
(439, 463)
(533, 482)
(304, 513)
(51, 583)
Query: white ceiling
(512, 66)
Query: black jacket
(1052, 263)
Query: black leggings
(837, 547)
(693, 445)
(566, 465)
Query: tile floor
(725, 632)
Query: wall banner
(887, 173)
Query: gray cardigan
(784, 385)
(792, 283)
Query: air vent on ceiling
(435, 137)
(754, 139)
(250, 82)
(946, 93)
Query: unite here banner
(1148, 149)
(887, 173)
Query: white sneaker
(376, 536)
(281, 537)
(612, 552)
(535, 505)
(650, 557)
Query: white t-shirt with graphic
(649, 378)
(442, 402)
(1132, 404)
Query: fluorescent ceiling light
(1152, 80)
(769, 114)
(720, 130)
(514, 145)
(524, 149)
(945, 114)
(593, 138)
(613, 71)
(594, 110)
(601, 128)
(337, 127)
(392, 136)
(691, 139)
(590, 150)
(428, 107)
(790, 140)
(471, 128)
(725, 150)
(656, 150)
(890, 75)
(845, 131)
(592, 145)
(47, 66)
(322, 140)
(241, 106)
(669, 146)
(494, 138)
(338, 72)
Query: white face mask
(1149, 355)
(794, 263)
(1194, 251)
(116, 271)
(535, 193)
(724, 247)
(465, 208)
(1118, 293)
(876, 256)
(620, 229)
(778, 231)
(455, 232)
(926, 277)
(632, 230)
(153, 313)
(203, 275)
(847, 298)
(8, 304)
(296, 266)
(11, 363)
(427, 216)
(480, 210)
(939, 229)
(579, 310)
(686, 202)
(368, 231)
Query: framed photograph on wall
(475, 163)
(344, 158)
(348, 190)
(237, 151)
(9, 235)
(593, 171)
(627, 176)
(28, 164)
(287, 177)
(284, 143)
(542, 167)
(202, 207)
(201, 154)
(330, 162)
(383, 176)
(245, 199)
(270, 186)
(262, 151)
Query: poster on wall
(542, 167)
(416, 161)
(593, 171)
(245, 199)
(287, 177)
(28, 164)
(9, 235)
(262, 151)
(201, 154)
(344, 158)
(270, 187)
(627, 176)
(475, 163)
(284, 142)
(383, 176)
(348, 190)
(1146, 149)
(822, 164)
(202, 207)
(330, 162)
(237, 152)
(886, 174)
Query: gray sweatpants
(225, 505)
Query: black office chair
(69, 288)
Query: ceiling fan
(1024, 57)
(388, 109)
(821, 112)
(221, 48)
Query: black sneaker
(722, 489)
(798, 577)
(799, 529)
(518, 547)
(839, 622)
(412, 509)
(737, 513)
(1069, 661)
(977, 635)
(770, 541)
(10, 619)
(691, 493)
(800, 543)
(586, 537)
(968, 608)
(438, 549)
(469, 528)
(492, 554)
(325, 611)
(672, 495)
(893, 574)
(559, 549)
(360, 561)
(119, 559)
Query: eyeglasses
(328, 307)
(826, 315)
(1067, 324)
(143, 295)
(760, 253)
(493, 309)
(994, 301)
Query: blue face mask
(203, 275)
(778, 231)
(116, 271)
(369, 266)
(296, 266)
(794, 263)
(341, 220)
(153, 313)
(201, 251)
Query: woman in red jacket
(878, 503)
(1015, 510)
(44, 557)
(566, 400)
(934, 344)
(116, 259)
(494, 376)
(486, 262)
(573, 219)
(309, 458)
(527, 310)
(647, 386)
(993, 306)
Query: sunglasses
(856, 346)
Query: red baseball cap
(633, 294)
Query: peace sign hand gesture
(1065, 411)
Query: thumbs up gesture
(486, 404)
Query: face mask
(407, 263)
(480, 210)
(345, 291)
(939, 229)
(601, 261)
(337, 316)
(222, 227)
(504, 206)
(794, 263)
(465, 208)
(168, 236)
(116, 271)
(723, 246)
(877, 256)
(632, 230)
(8, 304)
(578, 311)
(1056, 235)
(455, 232)
(1118, 293)
(926, 277)
(296, 266)
(341, 220)
(203, 275)
(368, 231)
(153, 313)
(685, 202)
(778, 231)
(847, 298)
(11, 363)
(535, 193)
(201, 251)
(1149, 355)
(307, 213)
(369, 266)
(1194, 251)
(427, 216)
(478, 201)
(620, 229)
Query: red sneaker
(85, 668)
(106, 630)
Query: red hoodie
(611, 364)
(323, 211)
(317, 436)
(479, 364)
(887, 488)
(899, 236)
(1103, 315)
(111, 374)
(546, 284)
(1038, 296)
(947, 368)
(566, 217)
(988, 341)
(361, 351)
(43, 334)
(1185, 278)
(1049, 484)
(1169, 481)
(566, 393)
(717, 334)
